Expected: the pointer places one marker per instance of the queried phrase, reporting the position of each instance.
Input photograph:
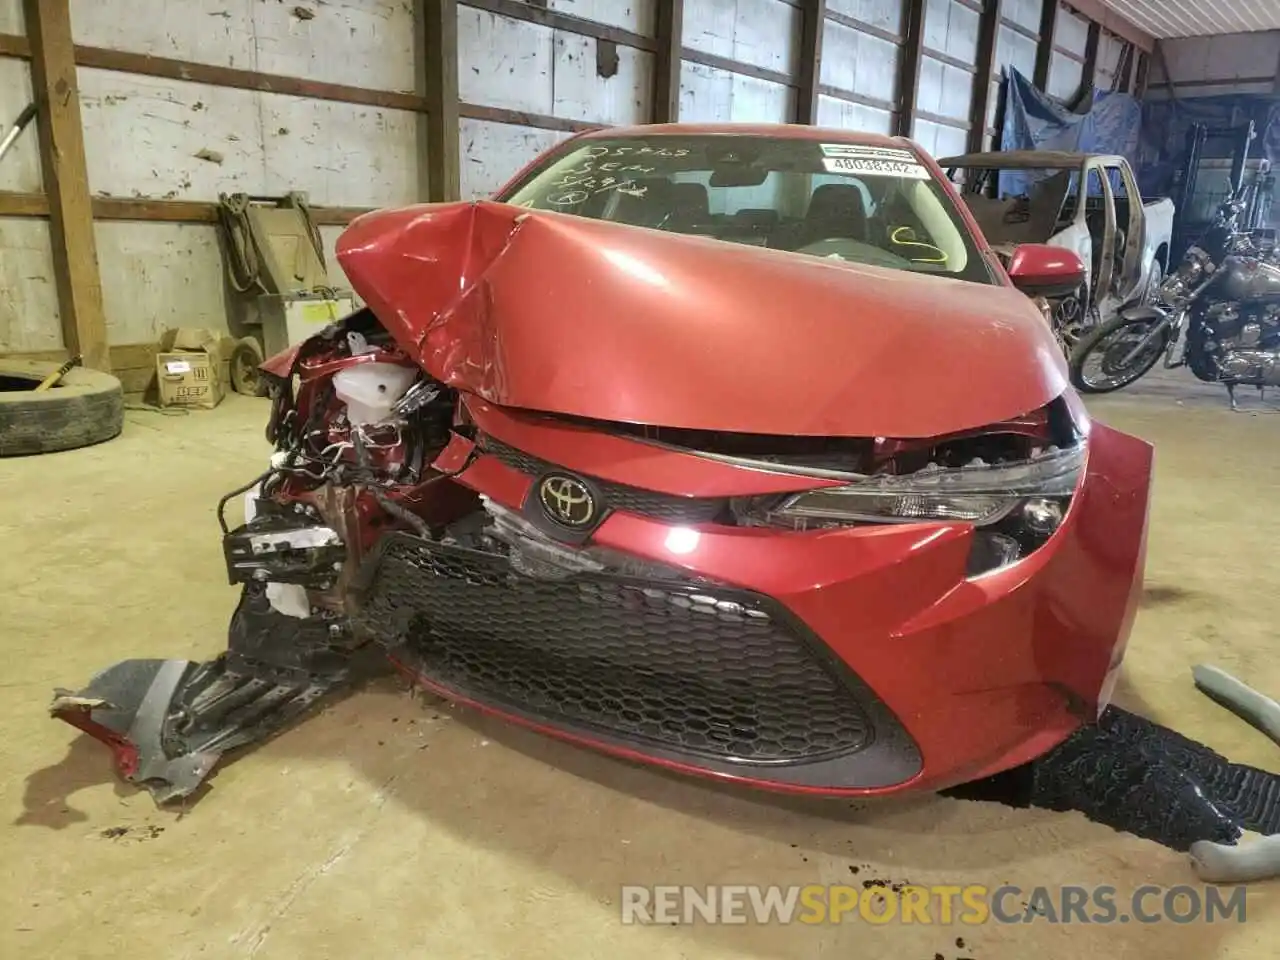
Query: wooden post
(1089, 72)
(66, 182)
(813, 19)
(1142, 75)
(1044, 46)
(1124, 80)
(440, 45)
(980, 105)
(910, 54)
(666, 67)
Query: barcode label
(876, 167)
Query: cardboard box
(189, 369)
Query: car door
(1100, 222)
(1129, 284)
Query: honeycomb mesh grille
(707, 671)
(659, 506)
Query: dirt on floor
(389, 826)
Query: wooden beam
(121, 61)
(910, 56)
(122, 355)
(985, 76)
(853, 23)
(1020, 29)
(444, 153)
(160, 211)
(737, 66)
(1062, 51)
(813, 18)
(14, 204)
(133, 364)
(949, 60)
(666, 67)
(14, 45)
(1124, 73)
(942, 119)
(520, 118)
(1089, 73)
(848, 96)
(1044, 46)
(1142, 75)
(515, 10)
(66, 181)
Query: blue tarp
(1033, 121)
(1151, 135)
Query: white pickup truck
(1124, 244)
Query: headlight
(1017, 506)
(979, 493)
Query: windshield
(845, 202)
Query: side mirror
(1039, 270)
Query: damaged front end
(554, 532)
(346, 468)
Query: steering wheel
(843, 248)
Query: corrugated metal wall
(742, 58)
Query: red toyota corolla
(731, 449)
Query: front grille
(706, 671)
(659, 506)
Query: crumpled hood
(567, 315)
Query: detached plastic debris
(168, 722)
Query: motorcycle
(1218, 313)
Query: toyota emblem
(567, 501)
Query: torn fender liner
(563, 314)
(168, 722)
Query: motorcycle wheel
(1096, 361)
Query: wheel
(1096, 362)
(243, 364)
(85, 407)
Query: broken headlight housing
(1015, 506)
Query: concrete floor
(389, 827)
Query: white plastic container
(371, 389)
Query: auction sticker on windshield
(872, 161)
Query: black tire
(1096, 340)
(86, 407)
(243, 366)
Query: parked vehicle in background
(1217, 313)
(1034, 196)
